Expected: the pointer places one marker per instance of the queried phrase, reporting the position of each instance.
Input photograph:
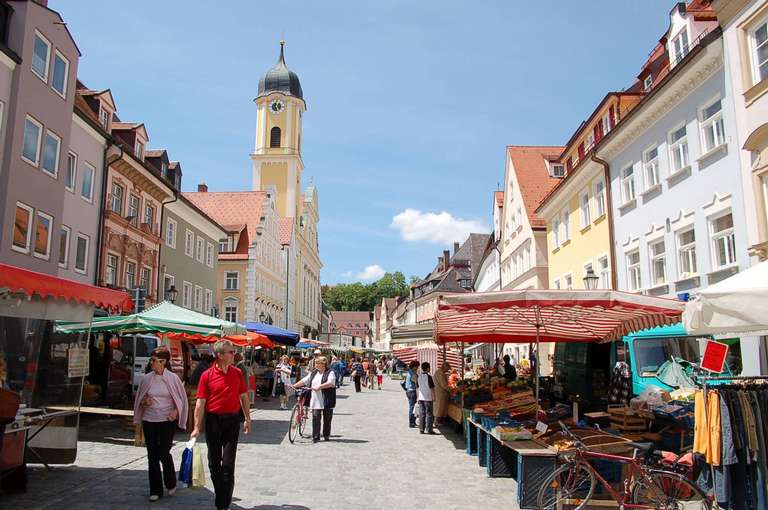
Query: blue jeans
(411, 394)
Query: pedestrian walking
(379, 373)
(336, 367)
(322, 381)
(410, 386)
(283, 375)
(342, 373)
(222, 400)
(371, 373)
(357, 374)
(161, 404)
(365, 372)
(425, 387)
(442, 392)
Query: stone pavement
(373, 461)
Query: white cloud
(442, 228)
(347, 274)
(371, 273)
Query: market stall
(43, 367)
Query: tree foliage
(363, 297)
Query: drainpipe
(160, 247)
(104, 174)
(609, 212)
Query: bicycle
(572, 485)
(299, 415)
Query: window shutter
(274, 137)
(598, 131)
(612, 117)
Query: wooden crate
(626, 420)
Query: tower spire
(281, 60)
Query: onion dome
(280, 79)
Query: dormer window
(164, 169)
(104, 118)
(557, 170)
(680, 46)
(138, 149)
(647, 82)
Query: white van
(138, 348)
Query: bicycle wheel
(294, 425)
(569, 487)
(303, 423)
(665, 490)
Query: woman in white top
(424, 394)
(161, 403)
(322, 381)
(283, 374)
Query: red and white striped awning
(561, 316)
(431, 354)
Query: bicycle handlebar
(579, 443)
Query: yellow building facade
(577, 210)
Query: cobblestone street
(373, 461)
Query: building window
(651, 167)
(604, 273)
(566, 225)
(64, 234)
(130, 275)
(712, 130)
(628, 184)
(41, 54)
(600, 198)
(71, 174)
(198, 298)
(658, 263)
(43, 225)
(149, 215)
(568, 280)
(22, 228)
(723, 241)
(117, 198)
(51, 147)
(134, 203)
(60, 74)
(680, 46)
(584, 207)
(647, 83)
(556, 232)
(558, 170)
(207, 305)
(112, 264)
(678, 149)
(633, 270)
(686, 252)
(230, 310)
(189, 244)
(86, 188)
(81, 253)
(186, 295)
(200, 252)
(606, 124)
(138, 149)
(170, 233)
(274, 137)
(146, 278)
(32, 136)
(104, 118)
(231, 280)
(209, 254)
(225, 245)
(759, 43)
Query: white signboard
(77, 362)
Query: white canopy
(738, 304)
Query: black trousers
(327, 416)
(357, 383)
(221, 435)
(159, 439)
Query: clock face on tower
(276, 106)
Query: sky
(410, 105)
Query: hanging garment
(620, 387)
(707, 438)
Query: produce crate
(625, 419)
(471, 438)
(500, 462)
(482, 447)
(531, 473)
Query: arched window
(274, 137)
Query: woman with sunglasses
(161, 404)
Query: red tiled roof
(231, 207)
(499, 195)
(701, 10)
(534, 182)
(284, 230)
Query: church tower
(277, 154)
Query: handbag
(185, 469)
(198, 469)
(9, 404)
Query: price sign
(541, 427)
(714, 356)
(77, 362)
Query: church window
(274, 137)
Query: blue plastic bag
(185, 469)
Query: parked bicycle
(299, 415)
(572, 485)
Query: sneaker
(421, 431)
(154, 497)
(315, 440)
(171, 492)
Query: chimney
(455, 248)
(446, 260)
(202, 188)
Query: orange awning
(253, 339)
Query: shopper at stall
(283, 377)
(510, 373)
(160, 404)
(425, 386)
(410, 386)
(322, 381)
(442, 392)
(222, 400)
(358, 372)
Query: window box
(628, 206)
(720, 149)
(679, 175)
(651, 192)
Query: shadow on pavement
(266, 432)
(269, 507)
(351, 441)
(458, 440)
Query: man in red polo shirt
(222, 398)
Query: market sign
(714, 356)
(77, 362)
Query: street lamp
(171, 294)
(590, 280)
(262, 317)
